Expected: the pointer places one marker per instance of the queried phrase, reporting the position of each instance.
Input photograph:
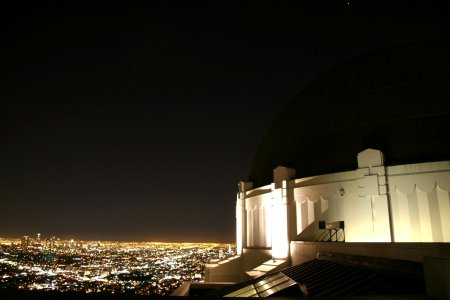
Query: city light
(145, 268)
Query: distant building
(24, 243)
(366, 145)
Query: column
(241, 224)
(282, 197)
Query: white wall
(259, 220)
(407, 203)
(416, 203)
(420, 200)
(319, 199)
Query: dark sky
(137, 122)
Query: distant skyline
(136, 123)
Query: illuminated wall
(259, 221)
(264, 223)
(406, 203)
(420, 202)
(359, 198)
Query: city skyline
(137, 123)
(39, 237)
(139, 268)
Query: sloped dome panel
(396, 100)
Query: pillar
(241, 225)
(282, 197)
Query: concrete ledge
(305, 251)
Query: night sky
(137, 122)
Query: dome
(396, 100)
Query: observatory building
(357, 164)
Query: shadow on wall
(312, 231)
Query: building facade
(360, 158)
(404, 203)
